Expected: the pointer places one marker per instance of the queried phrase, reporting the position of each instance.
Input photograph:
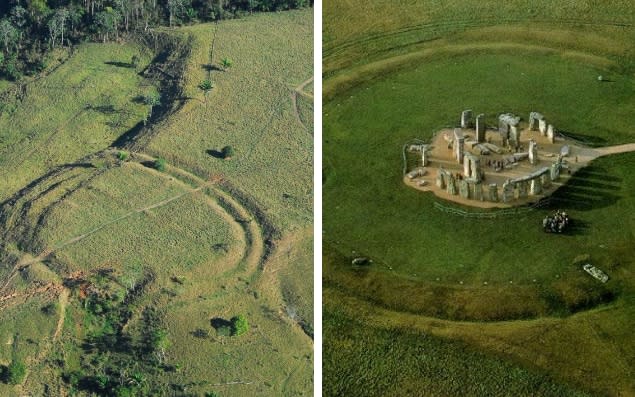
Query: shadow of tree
(119, 64)
(215, 153)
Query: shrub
(239, 325)
(206, 85)
(122, 155)
(16, 372)
(226, 62)
(228, 152)
(159, 164)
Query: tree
(160, 343)
(8, 35)
(239, 325)
(226, 62)
(159, 164)
(107, 22)
(176, 8)
(152, 99)
(57, 24)
(228, 152)
(16, 372)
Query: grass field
(126, 276)
(408, 75)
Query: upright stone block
(508, 192)
(441, 179)
(466, 119)
(535, 187)
(542, 126)
(480, 128)
(533, 152)
(551, 134)
(522, 189)
(514, 137)
(555, 171)
(534, 118)
(492, 192)
(546, 180)
(477, 191)
(459, 145)
(464, 189)
(451, 188)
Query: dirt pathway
(63, 301)
(299, 90)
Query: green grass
(419, 102)
(396, 73)
(366, 361)
(250, 109)
(190, 239)
(80, 108)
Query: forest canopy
(30, 28)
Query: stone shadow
(590, 188)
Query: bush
(122, 155)
(228, 152)
(226, 62)
(16, 372)
(239, 325)
(206, 85)
(159, 164)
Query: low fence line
(492, 214)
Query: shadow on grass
(210, 68)
(118, 64)
(129, 136)
(217, 154)
(585, 139)
(590, 188)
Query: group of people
(556, 223)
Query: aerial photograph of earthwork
(478, 198)
(156, 198)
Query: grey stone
(542, 126)
(451, 185)
(533, 152)
(534, 118)
(459, 145)
(522, 189)
(493, 192)
(551, 134)
(466, 119)
(464, 188)
(535, 187)
(508, 192)
(480, 128)
(478, 191)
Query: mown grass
(380, 29)
(250, 109)
(366, 361)
(80, 108)
(373, 121)
(411, 72)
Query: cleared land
(498, 284)
(117, 273)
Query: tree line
(29, 28)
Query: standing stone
(550, 133)
(441, 178)
(478, 191)
(508, 191)
(542, 126)
(555, 171)
(533, 152)
(534, 118)
(535, 187)
(503, 130)
(480, 128)
(424, 157)
(522, 189)
(459, 145)
(493, 192)
(546, 180)
(514, 137)
(464, 188)
(466, 119)
(451, 188)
